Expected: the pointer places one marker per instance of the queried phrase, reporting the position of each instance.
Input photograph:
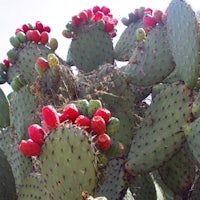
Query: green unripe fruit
(82, 106)
(101, 24)
(12, 56)
(112, 126)
(140, 34)
(53, 44)
(14, 41)
(21, 36)
(94, 104)
(16, 83)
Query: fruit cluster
(43, 64)
(38, 34)
(96, 15)
(150, 18)
(88, 115)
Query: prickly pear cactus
(103, 131)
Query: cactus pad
(68, 163)
(33, 188)
(184, 41)
(162, 131)
(153, 54)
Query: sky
(56, 14)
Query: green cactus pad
(143, 187)
(179, 173)
(26, 59)
(20, 164)
(184, 41)
(5, 110)
(33, 188)
(91, 48)
(127, 42)
(23, 111)
(192, 133)
(7, 184)
(151, 55)
(114, 186)
(68, 163)
(195, 190)
(161, 133)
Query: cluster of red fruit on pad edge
(93, 15)
(150, 18)
(38, 34)
(95, 126)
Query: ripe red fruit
(18, 30)
(76, 20)
(98, 125)
(29, 35)
(83, 16)
(39, 26)
(35, 36)
(36, 133)
(109, 26)
(158, 16)
(95, 9)
(148, 11)
(89, 13)
(104, 113)
(25, 28)
(105, 10)
(103, 142)
(98, 16)
(7, 63)
(50, 117)
(47, 29)
(42, 63)
(149, 21)
(30, 148)
(83, 122)
(71, 112)
(44, 37)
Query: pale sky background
(57, 13)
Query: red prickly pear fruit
(104, 113)
(39, 26)
(71, 112)
(44, 37)
(98, 16)
(158, 16)
(50, 117)
(61, 117)
(148, 11)
(25, 28)
(103, 142)
(136, 13)
(6, 63)
(109, 26)
(89, 13)
(47, 29)
(76, 20)
(83, 122)
(113, 34)
(18, 30)
(30, 148)
(53, 44)
(149, 21)
(42, 63)
(36, 133)
(98, 125)
(35, 36)
(29, 35)
(105, 10)
(95, 9)
(83, 16)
